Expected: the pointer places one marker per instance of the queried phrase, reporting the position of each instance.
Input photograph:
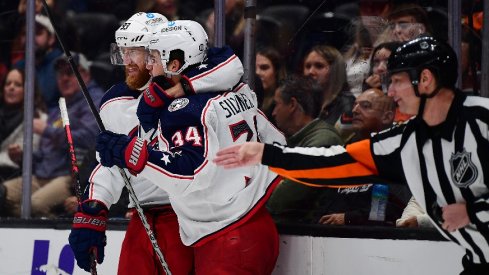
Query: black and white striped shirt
(443, 164)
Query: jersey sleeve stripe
(338, 172)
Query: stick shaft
(74, 168)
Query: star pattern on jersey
(203, 66)
(166, 159)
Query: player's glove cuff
(136, 155)
(87, 236)
(91, 214)
(122, 151)
(154, 99)
(155, 95)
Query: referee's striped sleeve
(478, 211)
(334, 166)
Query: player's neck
(436, 109)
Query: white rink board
(343, 256)
(20, 248)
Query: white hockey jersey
(210, 200)
(118, 112)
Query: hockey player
(118, 112)
(221, 212)
(441, 153)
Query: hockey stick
(100, 124)
(74, 168)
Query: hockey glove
(155, 97)
(122, 151)
(88, 233)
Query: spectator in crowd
(373, 112)
(11, 121)
(373, 15)
(414, 216)
(326, 65)
(51, 183)
(378, 66)
(46, 54)
(12, 126)
(357, 57)
(378, 72)
(271, 70)
(296, 114)
(407, 21)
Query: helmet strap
(414, 76)
(422, 104)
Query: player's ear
(427, 80)
(294, 104)
(174, 65)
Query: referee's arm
(335, 166)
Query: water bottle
(380, 192)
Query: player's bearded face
(136, 76)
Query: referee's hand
(455, 217)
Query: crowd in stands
(320, 73)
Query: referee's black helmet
(425, 52)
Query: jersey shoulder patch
(178, 104)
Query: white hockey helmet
(135, 32)
(185, 35)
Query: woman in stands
(271, 70)
(326, 65)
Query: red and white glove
(122, 151)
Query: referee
(442, 153)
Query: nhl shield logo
(464, 171)
(178, 104)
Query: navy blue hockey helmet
(425, 52)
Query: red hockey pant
(249, 249)
(137, 254)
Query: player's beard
(139, 80)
